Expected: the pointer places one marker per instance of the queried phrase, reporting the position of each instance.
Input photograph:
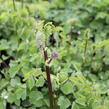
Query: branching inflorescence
(42, 44)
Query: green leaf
(40, 82)
(30, 82)
(63, 102)
(4, 45)
(35, 97)
(3, 83)
(81, 100)
(14, 68)
(2, 104)
(101, 107)
(21, 93)
(102, 43)
(32, 72)
(13, 71)
(67, 88)
(11, 97)
(75, 106)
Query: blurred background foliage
(80, 75)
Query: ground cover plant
(54, 54)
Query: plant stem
(92, 57)
(22, 3)
(14, 6)
(85, 48)
(51, 98)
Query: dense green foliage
(80, 74)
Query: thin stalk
(86, 44)
(85, 51)
(51, 98)
(91, 62)
(85, 47)
(102, 58)
(22, 3)
(14, 6)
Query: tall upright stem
(91, 61)
(86, 41)
(14, 6)
(22, 3)
(85, 48)
(51, 98)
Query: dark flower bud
(52, 40)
